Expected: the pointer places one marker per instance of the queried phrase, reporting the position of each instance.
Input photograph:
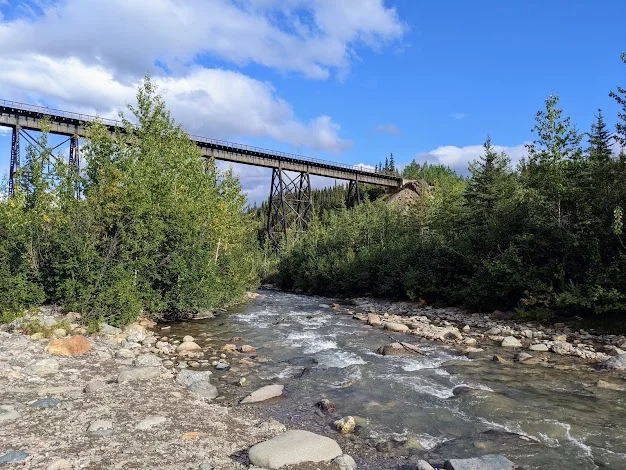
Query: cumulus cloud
(90, 57)
(458, 158)
(390, 129)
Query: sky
(344, 80)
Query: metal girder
(15, 159)
(353, 196)
(290, 206)
(74, 162)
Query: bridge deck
(68, 123)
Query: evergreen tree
(392, 164)
(599, 140)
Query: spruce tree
(392, 164)
(599, 140)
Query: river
(537, 417)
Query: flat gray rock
(147, 360)
(189, 377)
(95, 386)
(486, 462)
(43, 367)
(8, 413)
(13, 456)
(293, 447)
(539, 347)
(264, 393)
(204, 390)
(150, 422)
(46, 403)
(397, 327)
(101, 427)
(138, 373)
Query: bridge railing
(206, 140)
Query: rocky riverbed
(394, 385)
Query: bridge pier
(353, 196)
(74, 162)
(290, 205)
(15, 159)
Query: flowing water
(536, 416)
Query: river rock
(106, 329)
(345, 425)
(373, 319)
(345, 462)
(188, 377)
(423, 465)
(136, 333)
(522, 357)
(293, 447)
(46, 403)
(246, 348)
(399, 349)
(150, 422)
(138, 373)
(539, 347)
(511, 342)
(610, 386)
(59, 333)
(486, 462)
(8, 413)
(188, 346)
(95, 386)
(264, 393)
(60, 464)
(229, 348)
(615, 363)
(14, 456)
(124, 354)
(396, 327)
(188, 339)
(72, 346)
(43, 367)
(204, 390)
(101, 427)
(562, 348)
(147, 360)
(326, 405)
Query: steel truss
(45, 153)
(290, 206)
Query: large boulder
(264, 393)
(293, 447)
(72, 346)
(615, 363)
(396, 327)
(399, 349)
(486, 462)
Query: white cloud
(458, 115)
(5, 131)
(458, 158)
(210, 102)
(390, 129)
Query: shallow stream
(538, 417)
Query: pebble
(150, 422)
(101, 427)
(94, 386)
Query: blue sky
(348, 80)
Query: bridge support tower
(353, 196)
(15, 159)
(290, 206)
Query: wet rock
(399, 349)
(222, 365)
(423, 465)
(43, 367)
(188, 377)
(610, 386)
(486, 462)
(264, 393)
(511, 342)
(539, 347)
(470, 341)
(150, 422)
(147, 360)
(522, 357)
(188, 339)
(138, 373)
(231, 348)
(246, 348)
(466, 328)
(46, 403)
(72, 346)
(345, 425)
(14, 456)
(109, 330)
(188, 346)
(60, 464)
(302, 361)
(293, 447)
(271, 426)
(472, 352)
(615, 363)
(373, 319)
(345, 462)
(94, 386)
(8, 413)
(326, 405)
(101, 427)
(499, 359)
(395, 327)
